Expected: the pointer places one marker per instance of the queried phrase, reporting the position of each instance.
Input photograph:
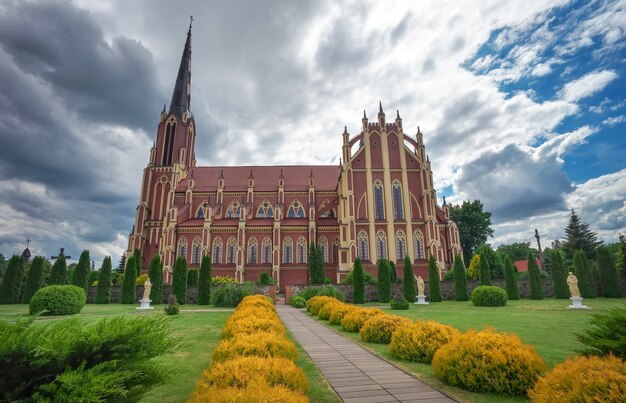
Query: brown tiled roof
(522, 265)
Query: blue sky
(522, 104)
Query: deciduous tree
(474, 225)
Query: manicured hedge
(58, 300)
(488, 295)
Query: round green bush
(298, 302)
(58, 300)
(488, 295)
(399, 304)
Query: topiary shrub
(354, 320)
(484, 270)
(12, 281)
(252, 324)
(129, 287)
(223, 280)
(488, 295)
(488, 362)
(559, 275)
(358, 283)
(384, 282)
(337, 313)
(298, 302)
(510, 276)
(534, 274)
(399, 304)
(314, 304)
(58, 300)
(583, 379)
(434, 288)
(34, 280)
(408, 286)
(155, 272)
(258, 391)
(172, 307)
(379, 328)
(230, 295)
(204, 281)
(80, 277)
(606, 334)
(256, 344)
(179, 280)
(103, 292)
(460, 280)
(324, 312)
(419, 341)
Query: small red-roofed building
(522, 265)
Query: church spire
(181, 97)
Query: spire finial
(418, 130)
(444, 202)
(345, 129)
(190, 22)
(380, 107)
(397, 113)
(27, 243)
(364, 115)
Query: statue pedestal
(577, 303)
(145, 304)
(421, 300)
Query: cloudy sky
(522, 104)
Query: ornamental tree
(485, 272)
(129, 286)
(608, 274)
(409, 281)
(384, 285)
(103, 292)
(179, 280)
(460, 280)
(510, 277)
(12, 281)
(80, 277)
(58, 275)
(579, 236)
(582, 268)
(536, 284)
(204, 281)
(474, 225)
(34, 280)
(559, 277)
(433, 281)
(358, 283)
(155, 273)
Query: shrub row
(254, 361)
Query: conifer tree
(81, 272)
(409, 280)
(121, 265)
(510, 276)
(59, 272)
(129, 286)
(358, 283)
(460, 280)
(192, 278)
(103, 292)
(204, 281)
(582, 268)
(393, 275)
(608, 274)
(315, 265)
(579, 236)
(384, 285)
(485, 272)
(179, 280)
(559, 277)
(434, 289)
(138, 265)
(536, 284)
(155, 273)
(34, 280)
(12, 281)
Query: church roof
(265, 177)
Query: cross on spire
(27, 243)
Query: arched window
(217, 250)
(295, 210)
(233, 210)
(288, 250)
(379, 206)
(400, 245)
(168, 144)
(323, 244)
(253, 247)
(336, 250)
(195, 251)
(363, 246)
(266, 250)
(182, 247)
(231, 251)
(302, 250)
(200, 213)
(265, 210)
(418, 245)
(381, 245)
(398, 212)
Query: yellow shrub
(257, 344)
(324, 311)
(353, 320)
(314, 304)
(419, 341)
(474, 267)
(337, 312)
(380, 328)
(255, 392)
(256, 300)
(252, 325)
(583, 379)
(488, 361)
(252, 312)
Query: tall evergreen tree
(129, 286)
(579, 236)
(155, 273)
(510, 276)
(536, 284)
(409, 280)
(393, 275)
(608, 274)
(559, 277)
(474, 225)
(122, 263)
(12, 281)
(582, 267)
(384, 285)
(204, 281)
(485, 271)
(34, 280)
(103, 291)
(358, 283)
(315, 265)
(179, 280)
(620, 261)
(434, 288)
(460, 280)
(138, 262)
(81, 272)
(495, 269)
(58, 276)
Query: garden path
(356, 374)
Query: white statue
(147, 287)
(420, 285)
(572, 283)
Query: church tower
(171, 155)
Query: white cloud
(587, 85)
(612, 121)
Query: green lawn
(547, 324)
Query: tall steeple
(181, 97)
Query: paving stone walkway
(356, 374)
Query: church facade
(379, 202)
